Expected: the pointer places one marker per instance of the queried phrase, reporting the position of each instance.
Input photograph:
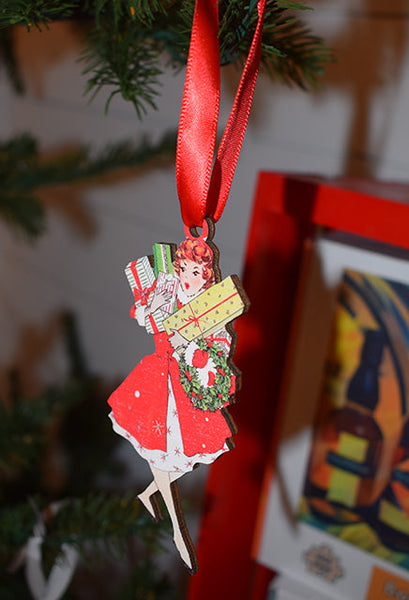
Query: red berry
(211, 379)
(200, 358)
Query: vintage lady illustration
(171, 407)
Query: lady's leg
(181, 537)
(147, 497)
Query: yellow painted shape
(352, 446)
(395, 518)
(343, 487)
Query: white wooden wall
(357, 124)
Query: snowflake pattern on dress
(174, 459)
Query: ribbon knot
(193, 319)
(142, 295)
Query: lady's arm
(160, 298)
(222, 339)
(140, 311)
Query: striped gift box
(163, 269)
(162, 256)
(142, 278)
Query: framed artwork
(339, 501)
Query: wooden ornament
(172, 407)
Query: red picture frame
(287, 209)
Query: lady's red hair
(199, 252)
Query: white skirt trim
(173, 459)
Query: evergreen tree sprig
(292, 54)
(17, 523)
(103, 522)
(145, 583)
(24, 424)
(23, 211)
(36, 12)
(127, 38)
(144, 11)
(23, 171)
(96, 525)
(127, 62)
(289, 51)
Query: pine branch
(292, 54)
(145, 583)
(97, 525)
(289, 51)
(98, 517)
(23, 212)
(128, 62)
(36, 12)
(23, 171)
(144, 11)
(22, 147)
(24, 426)
(128, 37)
(25, 423)
(16, 522)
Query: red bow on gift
(193, 319)
(143, 295)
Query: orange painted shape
(386, 586)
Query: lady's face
(191, 277)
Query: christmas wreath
(220, 383)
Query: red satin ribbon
(202, 191)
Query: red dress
(140, 408)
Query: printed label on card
(386, 586)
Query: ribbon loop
(199, 114)
(202, 191)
